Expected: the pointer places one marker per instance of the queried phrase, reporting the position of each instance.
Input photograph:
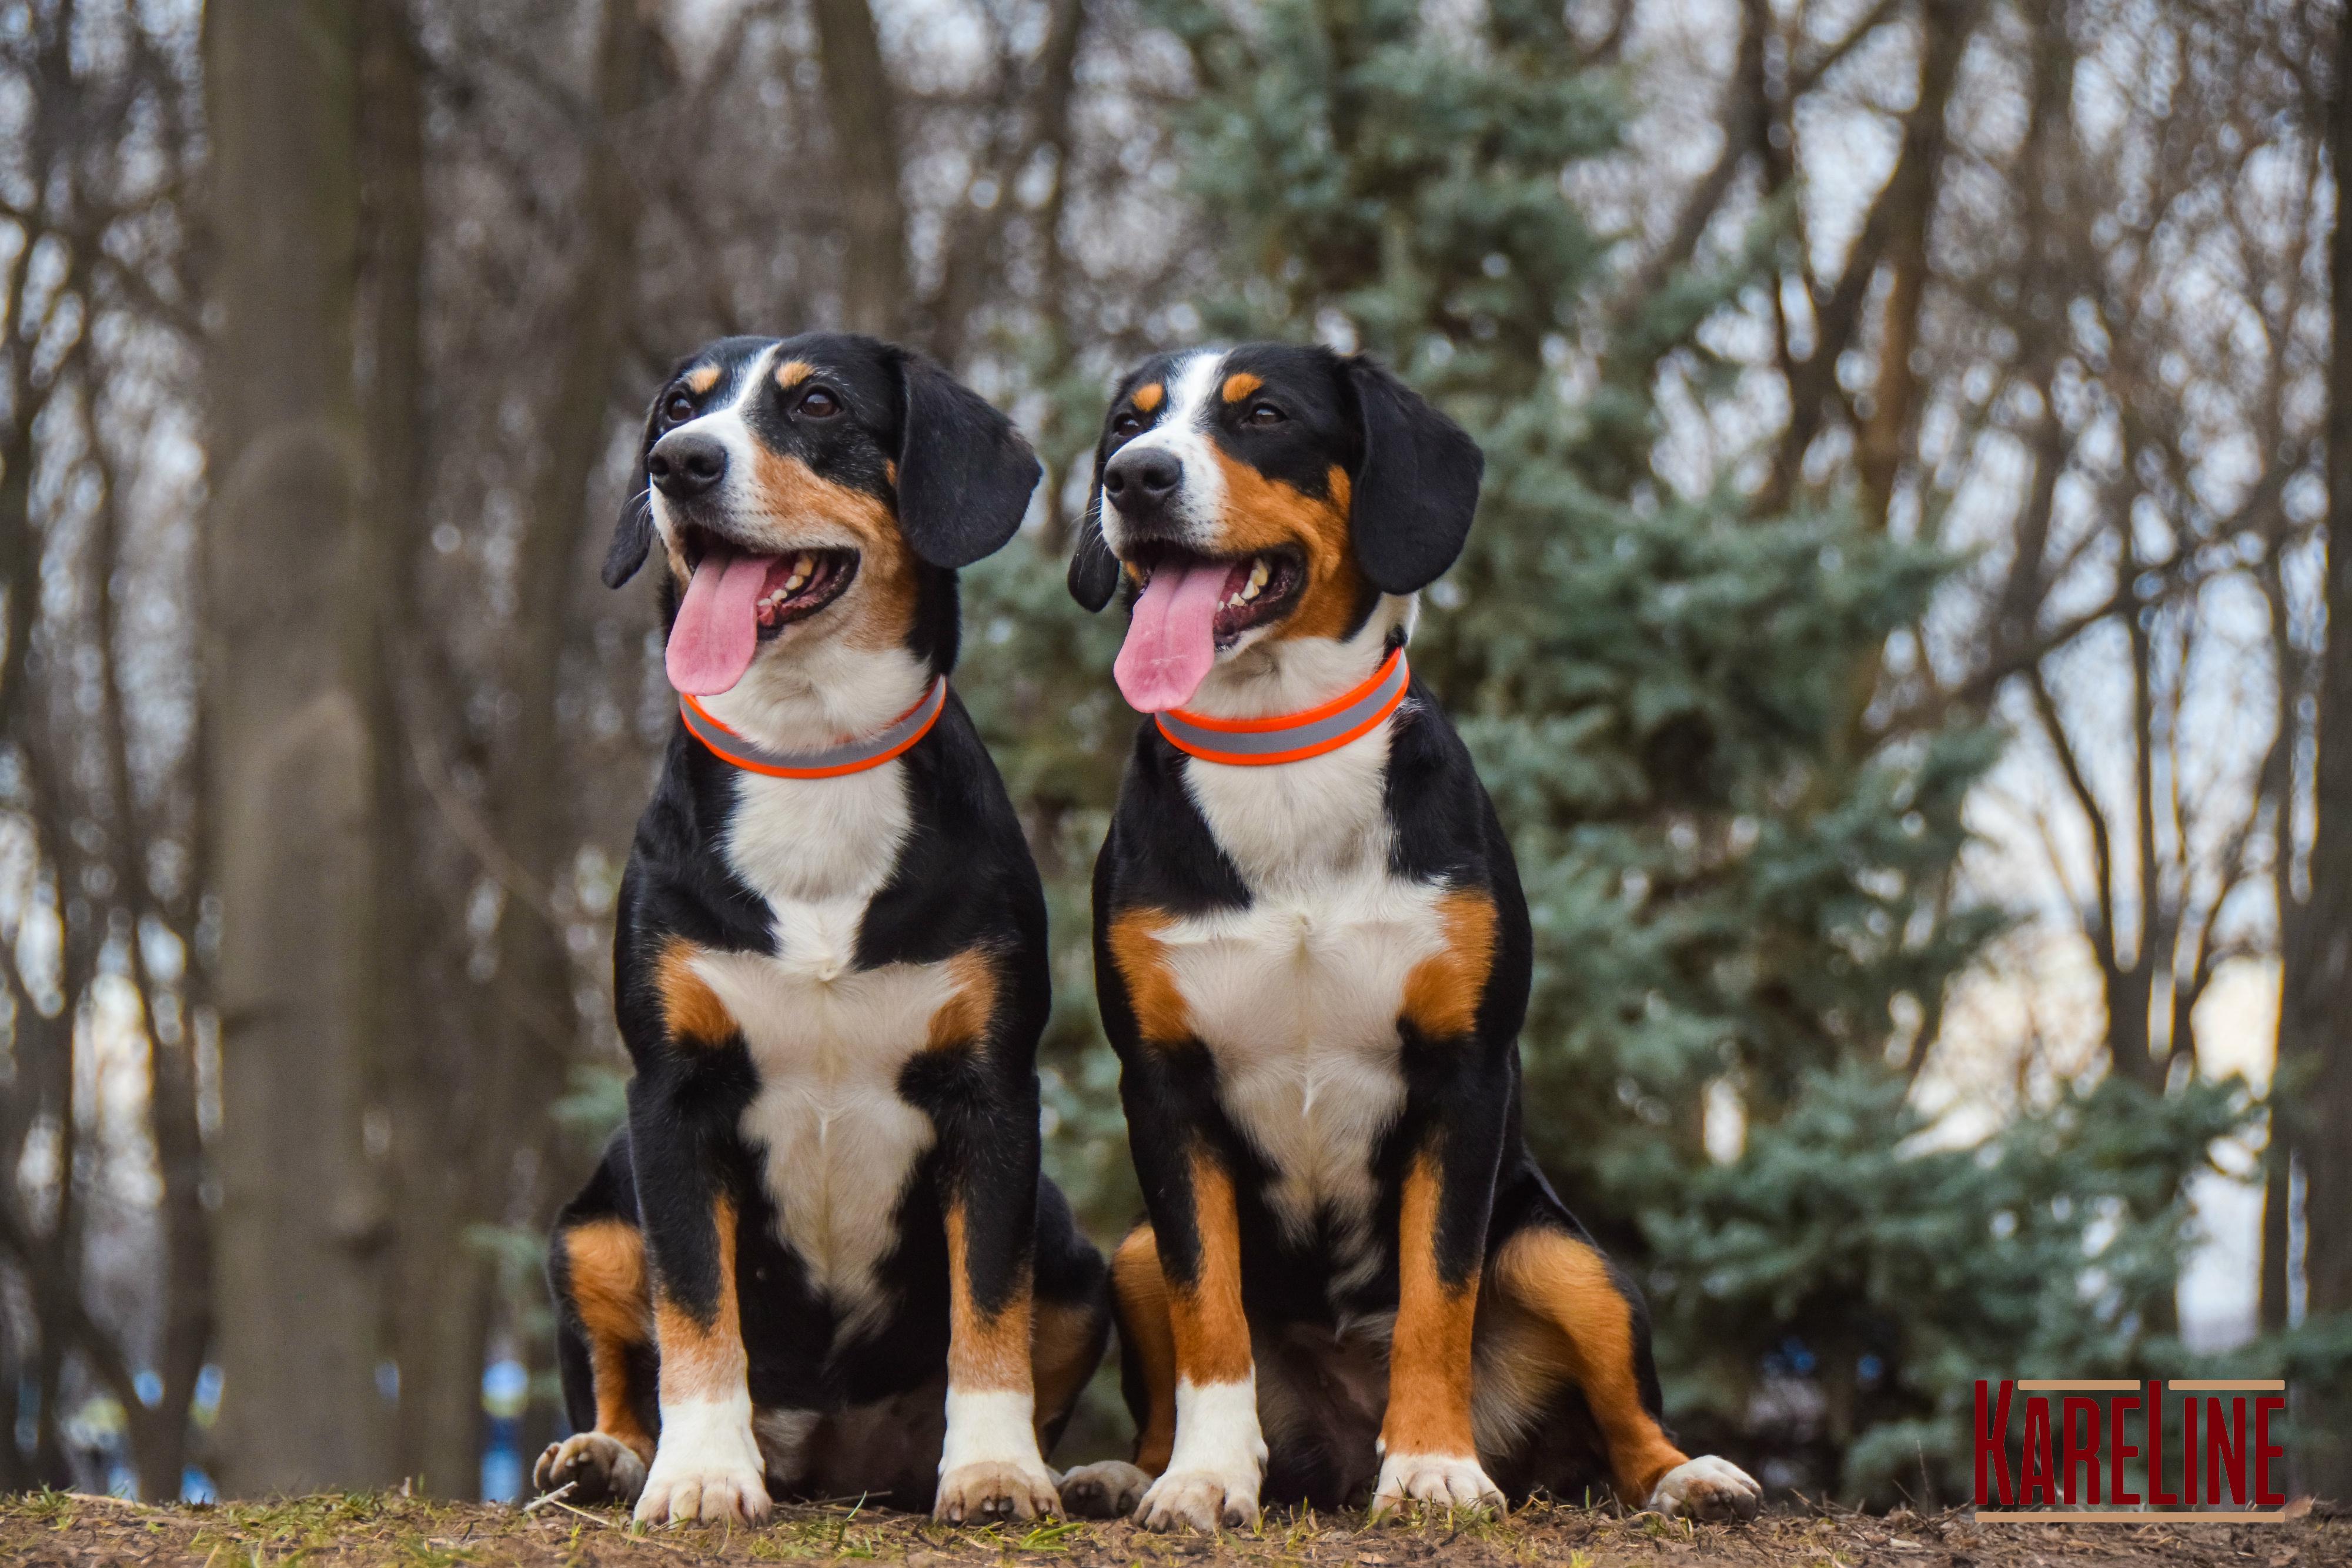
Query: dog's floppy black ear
(1418, 485)
(1094, 570)
(964, 473)
(633, 535)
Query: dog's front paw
(1434, 1481)
(1200, 1499)
(1707, 1488)
(1109, 1488)
(596, 1466)
(987, 1491)
(705, 1469)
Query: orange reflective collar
(856, 757)
(1291, 737)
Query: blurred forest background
(1895, 638)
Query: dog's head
(818, 489)
(1259, 493)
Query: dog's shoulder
(677, 881)
(1442, 820)
(963, 877)
(1160, 852)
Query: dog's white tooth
(1249, 593)
(803, 565)
(1258, 574)
(792, 583)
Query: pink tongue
(1172, 639)
(718, 626)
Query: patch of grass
(363, 1530)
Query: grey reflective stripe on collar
(1276, 745)
(856, 755)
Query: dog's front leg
(1458, 1086)
(706, 1463)
(1218, 1461)
(984, 1103)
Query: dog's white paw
(597, 1467)
(1109, 1488)
(988, 1491)
(1200, 1499)
(1434, 1480)
(1707, 1488)
(705, 1467)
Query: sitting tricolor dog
(819, 1257)
(1312, 955)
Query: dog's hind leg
(1112, 1487)
(1073, 1315)
(605, 1353)
(1601, 1341)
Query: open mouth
(736, 599)
(795, 585)
(1193, 607)
(1255, 589)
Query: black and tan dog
(820, 1257)
(1313, 958)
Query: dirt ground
(65, 1531)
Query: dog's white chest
(828, 1039)
(1297, 997)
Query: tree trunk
(860, 106)
(432, 1314)
(2318, 983)
(291, 781)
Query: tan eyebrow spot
(791, 372)
(1147, 397)
(1240, 385)
(702, 379)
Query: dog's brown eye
(1126, 424)
(819, 404)
(1264, 414)
(678, 409)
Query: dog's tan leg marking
(991, 1468)
(1150, 1331)
(1065, 1348)
(1112, 1487)
(703, 1359)
(1428, 1452)
(1217, 1460)
(987, 1351)
(604, 1264)
(1565, 1284)
(1212, 1340)
(706, 1464)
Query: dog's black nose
(1140, 481)
(684, 463)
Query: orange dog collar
(1291, 737)
(856, 757)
